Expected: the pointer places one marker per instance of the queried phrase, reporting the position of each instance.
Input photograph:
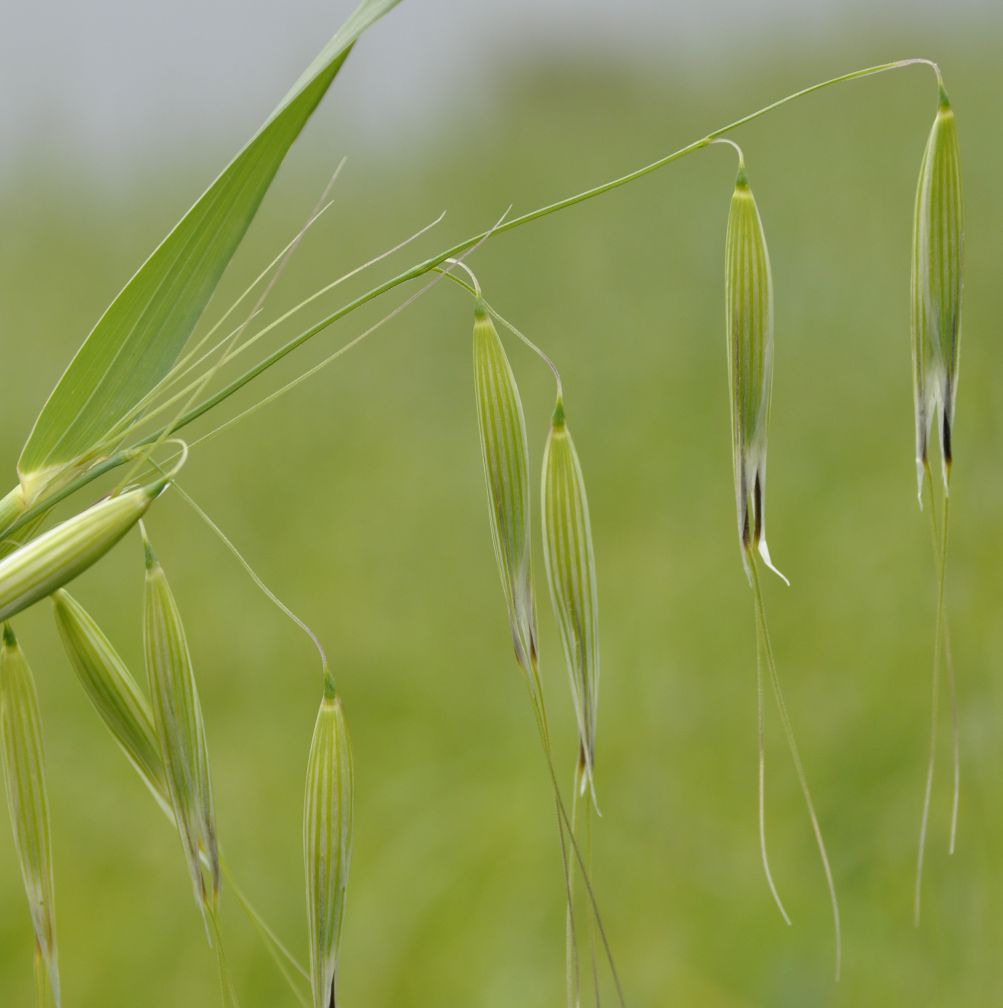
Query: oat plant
(152, 367)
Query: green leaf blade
(140, 336)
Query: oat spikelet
(52, 560)
(27, 800)
(938, 247)
(327, 843)
(749, 316)
(749, 322)
(938, 252)
(506, 472)
(109, 685)
(177, 715)
(570, 562)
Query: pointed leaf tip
(138, 339)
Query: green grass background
(359, 499)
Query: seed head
(112, 690)
(27, 799)
(177, 716)
(506, 473)
(570, 562)
(327, 844)
(938, 246)
(56, 557)
(749, 323)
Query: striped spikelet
(938, 240)
(505, 455)
(571, 574)
(52, 560)
(109, 685)
(23, 764)
(749, 323)
(327, 844)
(180, 729)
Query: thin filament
(572, 959)
(799, 770)
(940, 542)
(278, 264)
(576, 850)
(525, 339)
(283, 958)
(942, 652)
(761, 751)
(255, 577)
(350, 345)
(236, 351)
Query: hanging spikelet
(177, 716)
(571, 574)
(749, 316)
(327, 844)
(938, 240)
(506, 473)
(56, 557)
(116, 696)
(27, 799)
(749, 321)
(938, 246)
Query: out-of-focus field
(359, 499)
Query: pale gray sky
(109, 83)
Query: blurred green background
(359, 499)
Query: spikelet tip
(558, 421)
(150, 558)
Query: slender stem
(676, 155)
(792, 745)
(458, 281)
(419, 270)
(476, 293)
(476, 288)
(244, 346)
(182, 366)
(430, 264)
(545, 357)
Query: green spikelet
(505, 455)
(571, 574)
(938, 247)
(56, 557)
(327, 844)
(749, 323)
(27, 800)
(112, 690)
(177, 715)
